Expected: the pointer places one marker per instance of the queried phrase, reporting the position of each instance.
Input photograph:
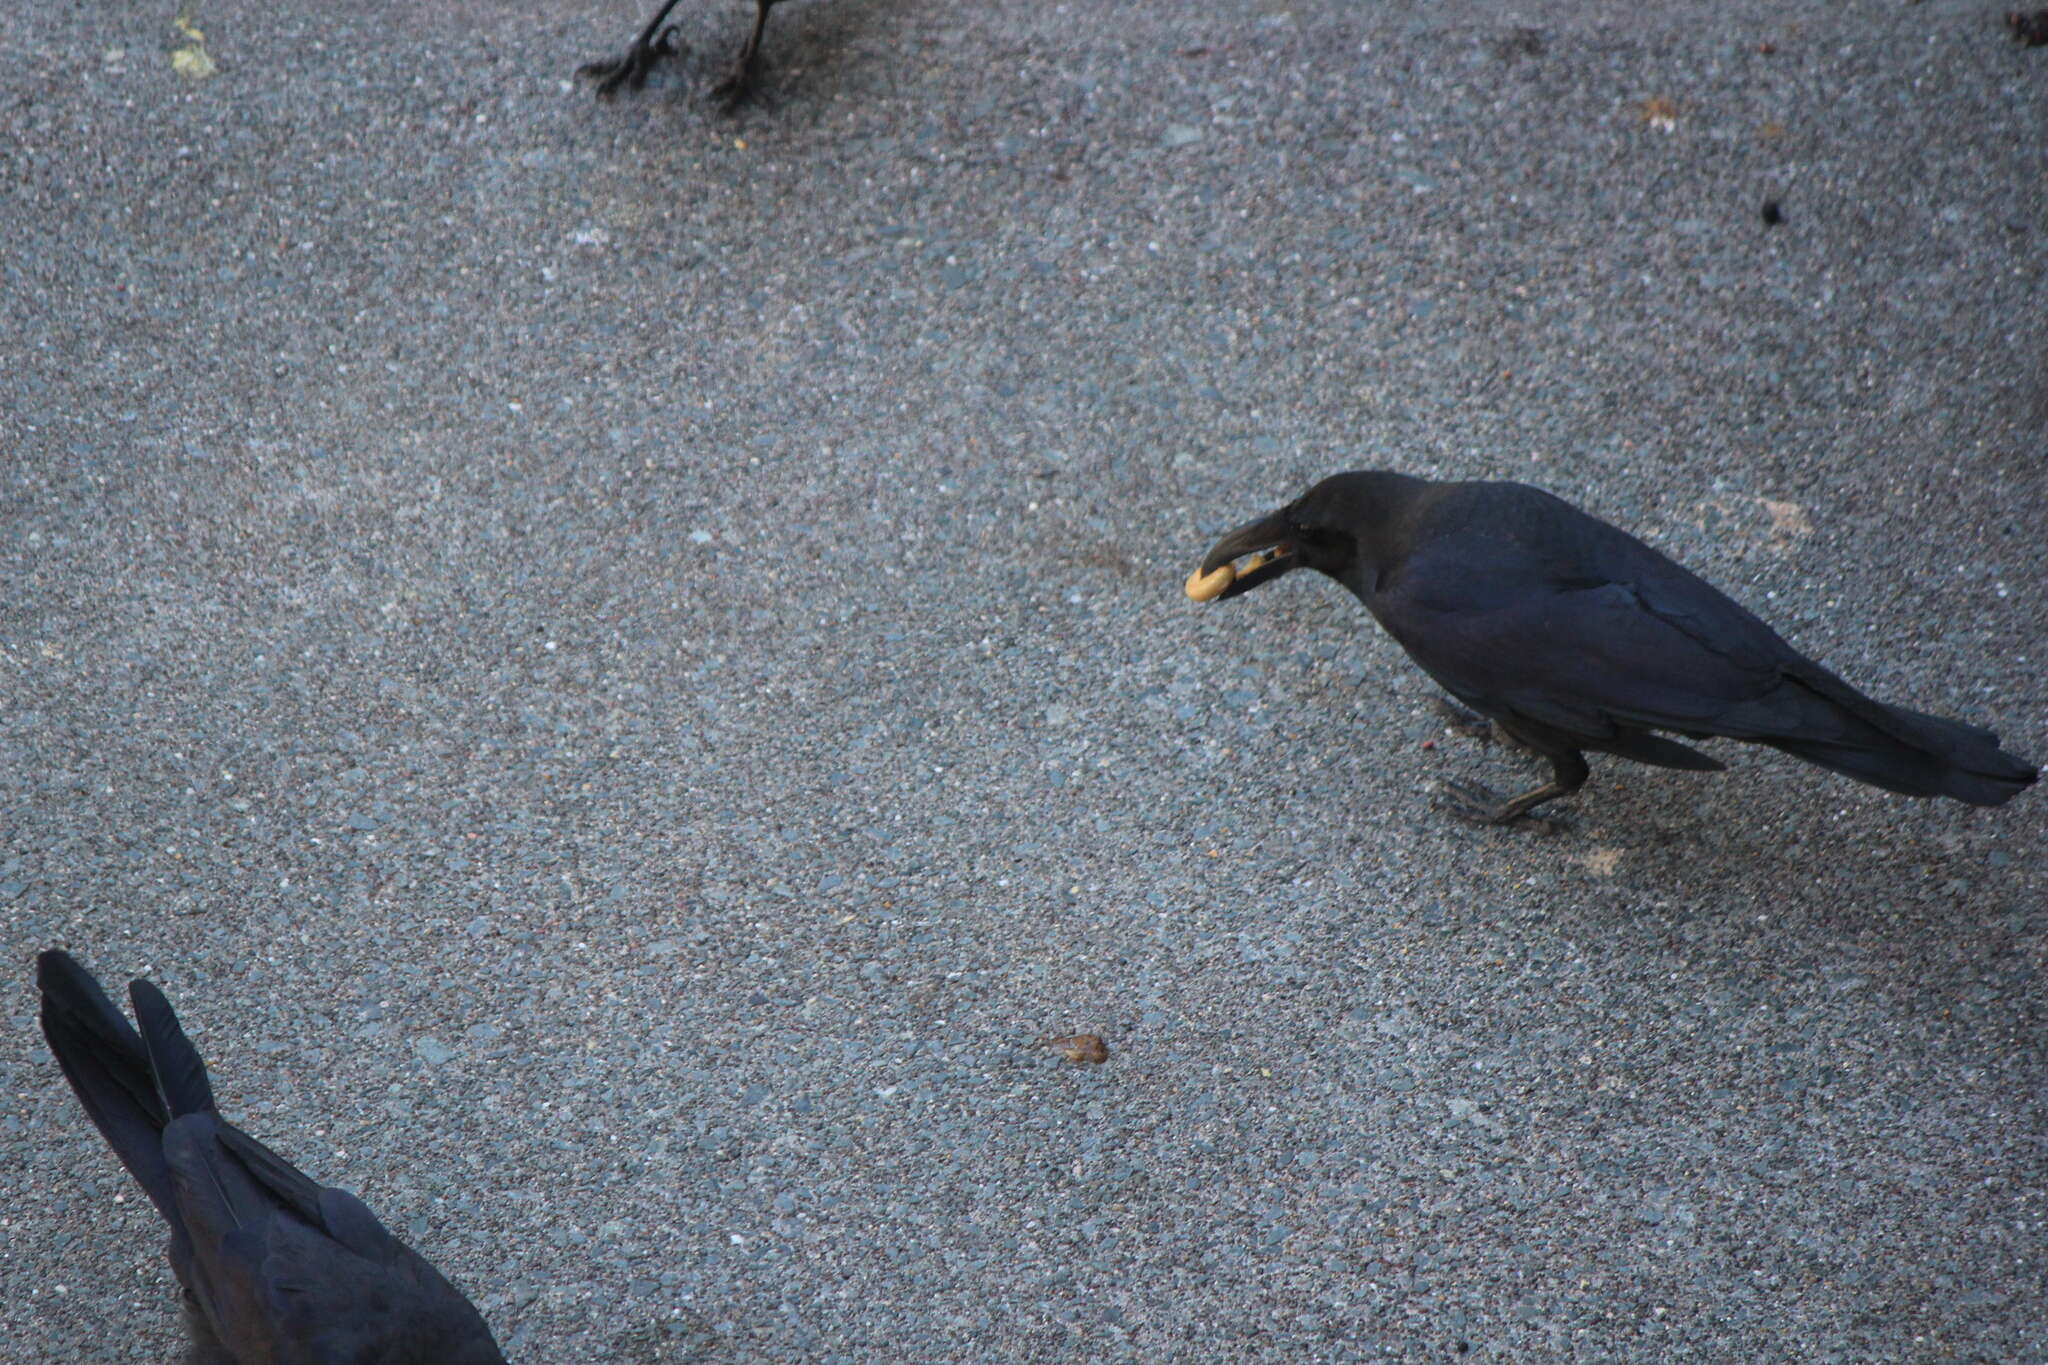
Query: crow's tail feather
(104, 1059)
(180, 1073)
(1916, 754)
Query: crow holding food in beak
(655, 42)
(1572, 635)
(276, 1270)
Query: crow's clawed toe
(1477, 805)
(738, 85)
(630, 71)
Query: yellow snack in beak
(1204, 587)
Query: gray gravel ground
(626, 668)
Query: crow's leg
(1459, 721)
(1568, 772)
(630, 71)
(1471, 725)
(732, 92)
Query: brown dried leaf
(1085, 1049)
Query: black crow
(656, 42)
(275, 1268)
(1570, 635)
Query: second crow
(276, 1269)
(1572, 635)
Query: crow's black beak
(1267, 544)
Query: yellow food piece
(1204, 586)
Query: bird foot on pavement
(738, 85)
(1477, 805)
(630, 71)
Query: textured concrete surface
(626, 669)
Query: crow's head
(1322, 529)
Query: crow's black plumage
(656, 42)
(1572, 635)
(275, 1268)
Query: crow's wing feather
(224, 1213)
(1573, 647)
(287, 1270)
(346, 1308)
(1515, 599)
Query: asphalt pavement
(626, 670)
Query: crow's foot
(1477, 805)
(739, 84)
(630, 71)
